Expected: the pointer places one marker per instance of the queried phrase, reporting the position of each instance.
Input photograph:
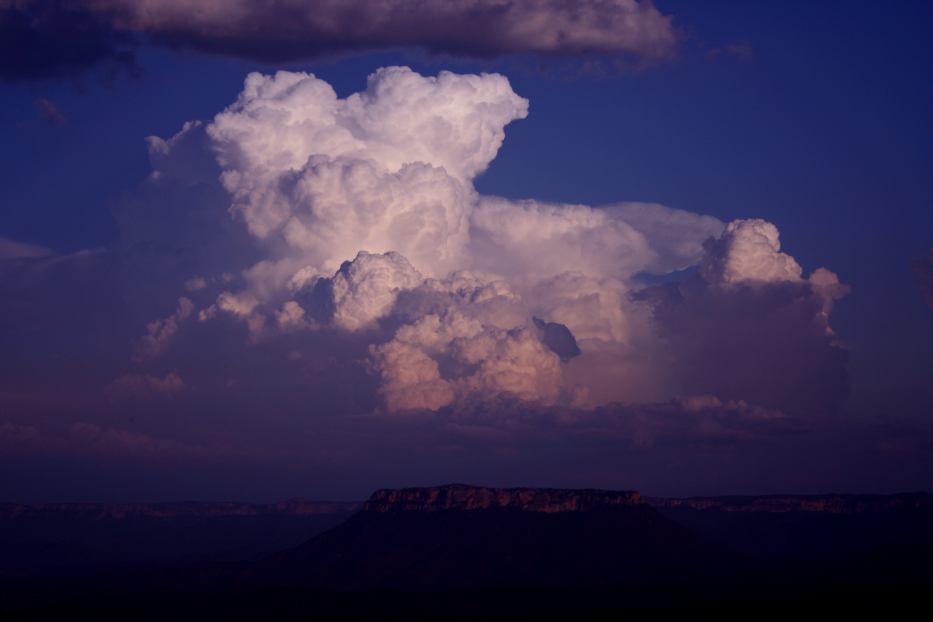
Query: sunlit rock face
(462, 497)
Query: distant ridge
(826, 504)
(173, 509)
(465, 497)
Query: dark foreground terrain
(463, 551)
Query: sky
(256, 251)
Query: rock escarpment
(463, 497)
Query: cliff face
(462, 497)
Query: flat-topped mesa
(463, 497)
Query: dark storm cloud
(43, 38)
(763, 342)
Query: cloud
(694, 419)
(558, 338)
(161, 332)
(749, 326)
(369, 225)
(45, 38)
(319, 180)
(698, 422)
(90, 441)
(617, 240)
(365, 289)
(195, 284)
(90, 438)
(363, 307)
(465, 336)
(578, 237)
(144, 386)
(11, 249)
(385, 169)
(748, 252)
(290, 29)
(923, 275)
(328, 262)
(15, 434)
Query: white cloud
(160, 333)
(749, 251)
(532, 238)
(369, 224)
(365, 289)
(293, 317)
(387, 169)
(479, 342)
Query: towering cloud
(370, 227)
(749, 326)
(365, 289)
(385, 169)
(40, 38)
(749, 251)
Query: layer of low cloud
(44, 38)
(12, 249)
(84, 440)
(144, 386)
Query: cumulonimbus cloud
(40, 38)
(369, 225)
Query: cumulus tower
(387, 169)
(371, 228)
